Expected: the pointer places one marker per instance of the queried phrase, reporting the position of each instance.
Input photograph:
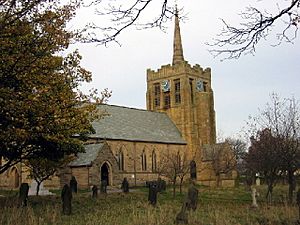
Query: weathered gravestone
(42, 189)
(103, 187)
(125, 185)
(66, 197)
(254, 194)
(73, 184)
(94, 191)
(23, 194)
(192, 197)
(182, 216)
(152, 196)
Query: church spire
(177, 45)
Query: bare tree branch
(123, 16)
(232, 42)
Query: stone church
(180, 120)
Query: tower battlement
(169, 71)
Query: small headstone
(94, 191)
(66, 197)
(23, 194)
(254, 194)
(182, 216)
(192, 197)
(103, 187)
(152, 196)
(125, 185)
(42, 191)
(73, 184)
(257, 181)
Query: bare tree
(169, 168)
(256, 25)
(238, 146)
(184, 169)
(174, 166)
(239, 149)
(222, 159)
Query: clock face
(165, 85)
(199, 85)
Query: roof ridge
(127, 107)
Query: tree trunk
(38, 188)
(180, 185)
(269, 193)
(291, 181)
(174, 188)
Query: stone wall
(133, 151)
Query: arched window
(144, 161)
(121, 160)
(153, 161)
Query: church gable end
(87, 166)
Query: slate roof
(86, 158)
(131, 124)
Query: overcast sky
(240, 86)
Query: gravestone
(254, 194)
(66, 197)
(192, 197)
(42, 191)
(23, 194)
(257, 181)
(94, 191)
(73, 184)
(182, 216)
(125, 185)
(103, 187)
(152, 196)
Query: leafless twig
(232, 42)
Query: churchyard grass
(217, 206)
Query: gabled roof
(86, 158)
(131, 124)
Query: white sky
(240, 86)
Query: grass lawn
(216, 206)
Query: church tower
(184, 92)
